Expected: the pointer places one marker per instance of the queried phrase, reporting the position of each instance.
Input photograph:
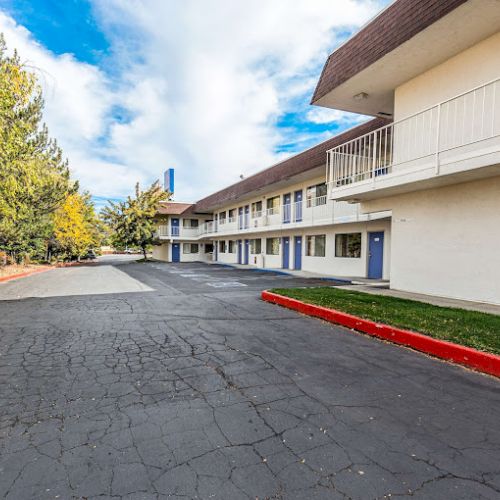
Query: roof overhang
(402, 42)
(301, 167)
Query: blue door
(375, 255)
(287, 208)
(297, 197)
(247, 251)
(216, 250)
(297, 253)
(286, 252)
(240, 253)
(174, 224)
(176, 252)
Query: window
(222, 246)
(256, 209)
(230, 246)
(256, 246)
(272, 246)
(348, 245)
(273, 205)
(190, 248)
(190, 223)
(231, 214)
(316, 195)
(316, 245)
(222, 217)
(209, 247)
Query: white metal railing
(287, 212)
(162, 231)
(315, 202)
(462, 120)
(297, 211)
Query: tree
(75, 227)
(34, 178)
(133, 220)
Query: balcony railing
(410, 144)
(166, 231)
(313, 211)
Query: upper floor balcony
(311, 212)
(168, 231)
(455, 141)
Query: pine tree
(34, 178)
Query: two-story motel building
(412, 196)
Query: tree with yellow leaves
(75, 227)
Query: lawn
(469, 328)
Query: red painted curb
(472, 358)
(24, 275)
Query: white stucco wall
(328, 265)
(161, 252)
(446, 241)
(473, 67)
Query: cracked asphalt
(141, 381)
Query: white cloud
(322, 116)
(203, 83)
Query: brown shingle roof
(175, 208)
(395, 25)
(307, 160)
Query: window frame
(312, 246)
(273, 205)
(274, 251)
(253, 246)
(190, 246)
(344, 245)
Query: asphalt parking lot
(152, 380)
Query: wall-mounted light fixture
(361, 96)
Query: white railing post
(438, 137)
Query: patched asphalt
(138, 381)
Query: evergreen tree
(34, 178)
(133, 221)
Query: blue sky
(206, 86)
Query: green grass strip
(469, 328)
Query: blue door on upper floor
(286, 252)
(297, 253)
(297, 198)
(375, 255)
(176, 252)
(247, 252)
(287, 208)
(240, 252)
(174, 225)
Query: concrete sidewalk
(308, 274)
(428, 299)
(378, 287)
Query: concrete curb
(466, 356)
